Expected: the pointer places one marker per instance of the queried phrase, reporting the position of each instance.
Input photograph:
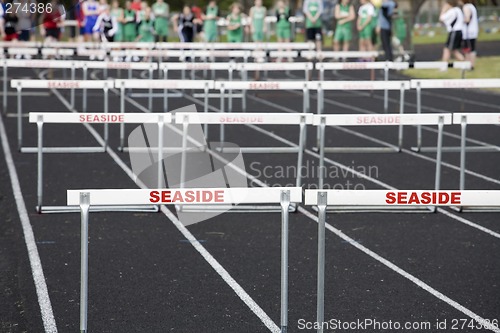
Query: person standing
(344, 14)
(257, 18)
(145, 28)
(470, 31)
(106, 25)
(210, 22)
(184, 25)
(90, 13)
(312, 10)
(385, 27)
(25, 19)
(129, 24)
(366, 13)
(235, 29)
(453, 18)
(283, 25)
(161, 12)
(117, 13)
(10, 26)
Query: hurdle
(446, 84)
(164, 85)
(336, 55)
(409, 198)
(41, 118)
(380, 120)
(166, 67)
(84, 200)
(236, 46)
(244, 86)
(321, 86)
(306, 67)
(291, 119)
(105, 85)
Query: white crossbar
(22, 50)
(61, 52)
(244, 118)
(185, 196)
(405, 198)
(237, 46)
(456, 83)
(39, 63)
(99, 118)
(62, 84)
(360, 85)
(339, 54)
(275, 66)
(261, 85)
(218, 66)
(164, 84)
(382, 119)
(119, 65)
(477, 118)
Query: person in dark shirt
(10, 26)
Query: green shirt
(258, 16)
(160, 10)
(344, 12)
(211, 23)
(282, 17)
(236, 33)
(313, 7)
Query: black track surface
(145, 276)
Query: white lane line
(358, 174)
(372, 254)
(49, 322)
(485, 323)
(223, 273)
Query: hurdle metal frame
(105, 85)
(321, 86)
(164, 85)
(292, 119)
(325, 198)
(402, 119)
(166, 67)
(84, 200)
(41, 118)
(306, 67)
(446, 84)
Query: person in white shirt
(106, 25)
(470, 31)
(453, 19)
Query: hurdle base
(64, 150)
(76, 209)
(359, 150)
(234, 208)
(487, 149)
(258, 150)
(478, 209)
(378, 209)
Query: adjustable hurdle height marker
(4, 97)
(84, 259)
(84, 92)
(386, 92)
(72, 93)
(285, 204)
(39, 186)
(401, 111)
(19, 116)
(320, 303)
(122, 110)
(463, 142)
(419, 110)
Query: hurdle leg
(320, 102)
(84, 259)
(106, 125)
(463, 142)
(386, 92)
(160, 151)
(322, 129)
(244, 92)
(300, 156)
(150, 97)
(84, 91)
(320, 304)
(185, 126)
(205, 106)
(305, 92)
(322, 73)
(439, 154)
(419, 110)
(122, 111)
(4, 97)
(19, 118)
(165, 91)
(72, 93)
(221, 126)
(401, 111)
(39, 187)
(230, 92)
(285, 204)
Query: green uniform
(282, 24)
(313, 8)
(117, 13)
(400, 27)
(343, 32)
(145, 30)
(235, 36)
(366, 12)
(129, 28)
(258, 16)
(210, 25)
(160, 11)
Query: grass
(486, 68)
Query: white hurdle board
(166, 67)
(321, 86)
(420, 84)
(324, 198)
(165, 85)
(256, 119)
(244, 86)
(105, 85)
(321, 55)
(85, 199)
(237, 46)
(464, 119)
(41, 118)
(322, 121)
(306, 67)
